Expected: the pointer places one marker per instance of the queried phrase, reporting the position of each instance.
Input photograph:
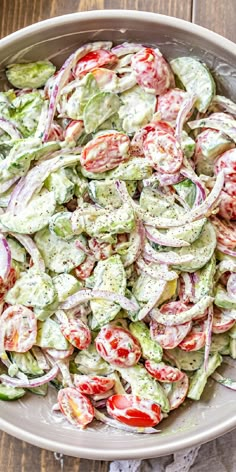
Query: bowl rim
(146, 451)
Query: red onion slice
(32, 249)
(195, 179)
(183, 317)
(227, 382)
(6, 185)
(10, 128)
(126, 48)
(164, 239)
(169, 258)
(182, 116)
(116, 424)
(137, 238)
(164, 273)
(225, 250)
(5, 258)
(32, 382)
(153, 300)
(87, 294)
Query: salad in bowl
(117, 234)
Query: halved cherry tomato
(74, 130)
(94, 59)
(152, 72)
(133, 410)
(56, 132)
(227, 162)
(85, 269)
(104, 77)
(169, 103)
(100, 250)
(169, 337)
(195, 339)
(163, 372)
(76, 332)
(93, 384)
(226, 232)
(163, 151)
(141, 135)
(118, 346)
(105, 152)
(75, 406)
(18, 325)
(227, 206)
(221, 322)
(178, 392)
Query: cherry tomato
(19, 326)
(227, 163)
(141, 135)
(105, 152)
(77, 333)
(56, 132)
(77, 408)
(100, 250)
(133, 410)
(221, 322)
(226, 232)
(93, 385)
(85, 269)
(227, 206)
(178, 392)
(104, 77)
(162, 372)
(5, 285)
(62, 354)
(152, 71)
(169, 336)
(193, 341)
(169, 104)
(118, 346)
(164, 152)
(94, 59)
(74, 130)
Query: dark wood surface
(217, 15)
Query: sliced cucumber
(199, 379)
(189, 232)
(32, 289)
(223, 300)
(10, 393)
(26, 362)
(196, 78)
(49, 335)
(66, 285)
(104, 193)
(205, 280)
(30, 75)
(150, 348)
(137, 110)
(99, 108)
(42, 390)
(220, 342)
(189, 361)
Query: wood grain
(217, 15)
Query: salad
(117, 234)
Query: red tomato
(105, 152)
(163, 151)
(227, 162)
(178, 392)
(100, 250)
(221, 322)
(195, 339)
(104, 77)
(8, 283)
(226, 232)
(227, 206)
(93, 385)
(56, 132)
(75, 406)
(152, 71)
(142, 134)
(162, 372)
(94, 59)
(77, 333)
(85, 269)
(169, 336)
(74, 130)
(19, 327)
(133, 410)
(118, 346)
(169, 104)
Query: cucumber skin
(199, 379)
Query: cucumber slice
(99, 108)
(18, 252)
(60, 225)
(199, 379)
(189, 361)
(50, 336)
(189, 232)
(32, 289)
(220, 342)
(42, 390)
(150, 349)
(66, 285)
(31, 75)
(137, 168)
(26, 363)
(62, 187)
(205, 280)
(104, 194)
(137, 110)
(223, 300)
(202, 250)
(196, 78)
(10, 393)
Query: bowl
(194, 422)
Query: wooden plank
(15, 455)
(217, 15)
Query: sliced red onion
(183, 113)
(153, 300)
(10, 128)
(169, 258)
(227, 382)
(164, 239)
(208, 336)
(164, 274)
(227, 126)
(195, 179)
(185, 316)
(6, 185)
(126, 48)
(87, 294)
(83, 248)
(188, 290)
(137, 238)
(226, 250)
(32, 382)
(40, 358)
(116, 424)
(5, 258)
(231, 285)
(14, 195)
(225, 104)
(59, 355)
(32, 249)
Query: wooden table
(217, 15)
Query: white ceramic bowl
(30, 419)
